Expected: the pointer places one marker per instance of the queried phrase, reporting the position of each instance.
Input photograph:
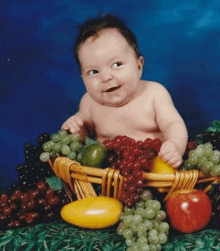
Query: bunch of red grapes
(41, 204)
(132, 159)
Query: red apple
(189, 210)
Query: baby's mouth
(113, 89)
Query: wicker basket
(80, 179)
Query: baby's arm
(80, 123)
(171, 125)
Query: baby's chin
(111, 103)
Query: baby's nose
(106, 76)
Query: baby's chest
(115, 121)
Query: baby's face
(110, 68)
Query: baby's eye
(93, 72)
(117, 64)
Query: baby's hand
(170, 153)
(74, 124)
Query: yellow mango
(94, 213)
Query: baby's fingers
(175, 162)
(65, 126)
(67, 123)
(164, 151)
(72, 125)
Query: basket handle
(183, 180)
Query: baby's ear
(140, 65)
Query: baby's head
(109, 60)
(92, 27)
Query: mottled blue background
(40, 84)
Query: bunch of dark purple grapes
(213, 138)
(215, 198)
(37, 205)
(33, 169)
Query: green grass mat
(61, 236)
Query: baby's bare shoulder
(85, 107)
(86, 101)
(156, 90)
(153, 85)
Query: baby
(118, 101)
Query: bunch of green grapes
(61, 143)
(142, 226)
(204, 159)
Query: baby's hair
(92, 26)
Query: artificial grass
(60, 236)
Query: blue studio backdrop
(40, 83)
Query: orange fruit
(161, 167)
